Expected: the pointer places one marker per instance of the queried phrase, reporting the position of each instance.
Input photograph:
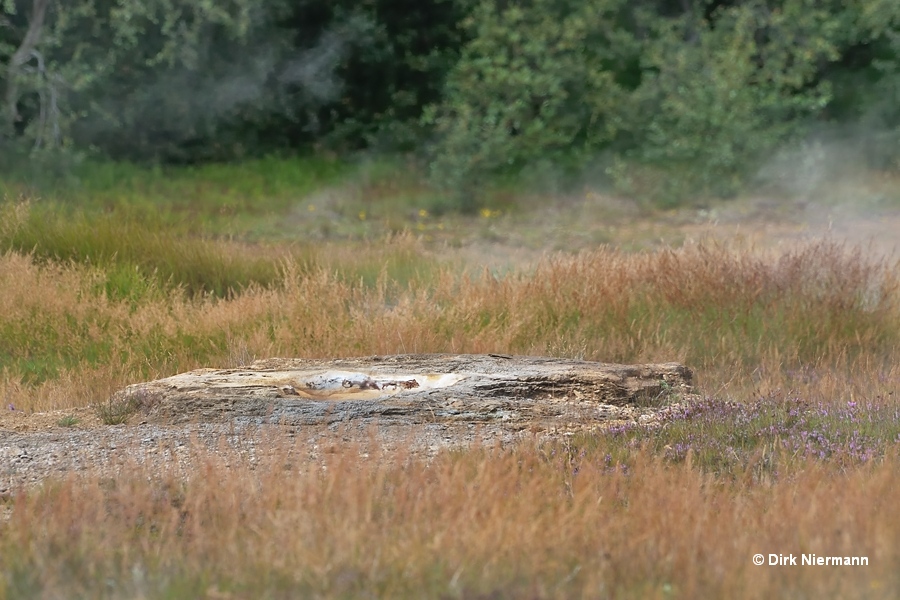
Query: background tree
(26, 72)
(539, 79)
(721, 89)
(872, 76)
(71, 57)
(679, 96)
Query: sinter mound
(410, 389)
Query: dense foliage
(669, 96)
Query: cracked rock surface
(409, 390)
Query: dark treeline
(702, 90)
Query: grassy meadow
(131, 275)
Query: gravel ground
(35, 448)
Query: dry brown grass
(817, 317)
(525, 522)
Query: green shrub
(874, 90)
(718, 94)
(688, 103)
(537, 79)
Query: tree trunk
(20, 58)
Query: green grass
(68, 421)
(242, 199)
(138, 256)
(303, 199)
(254, 185)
